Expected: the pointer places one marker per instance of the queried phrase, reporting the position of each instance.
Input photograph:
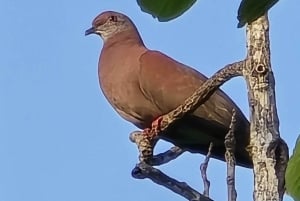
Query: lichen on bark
(266, 147)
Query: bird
(143, 84)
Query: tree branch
(137, 137)
(265, 141)
(146, 143)
(230, 159)
(143, 170)
(203, 168)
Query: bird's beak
(90, 31)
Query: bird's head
(109, 23)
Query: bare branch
(167, 156)
(142, 143)
(230, 159)
(143, 170)
(203, 168)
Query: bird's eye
(113, 18)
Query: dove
(143, 84)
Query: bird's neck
(127, 36)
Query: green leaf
(165, 10)
(292, 174)
(250, 10)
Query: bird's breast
(121, 88)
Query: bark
(203, 170)
(143, 170)
(230, 159)
(269, 152)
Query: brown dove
(142, 84)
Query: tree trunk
(269, 152)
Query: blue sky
(59, 138)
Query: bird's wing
(167, 83)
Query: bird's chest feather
(118, 87)
(120, 84)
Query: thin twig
(203, 168)
(230, 159)
(143, 170)
(167, 156)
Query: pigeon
(143, 84)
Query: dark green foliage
(165, 10)
(250, 10)
(292, 174)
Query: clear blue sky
(59, 138)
